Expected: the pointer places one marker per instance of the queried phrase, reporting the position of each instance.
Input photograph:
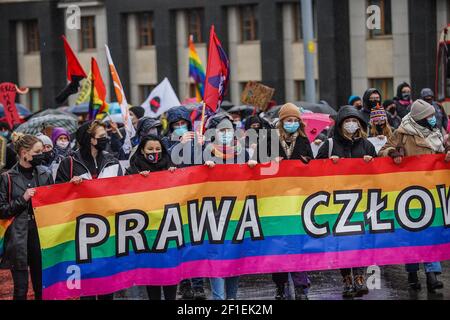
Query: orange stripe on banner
(154, 200)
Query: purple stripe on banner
(250, 265)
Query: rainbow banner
(196, 70)
(110, 234)
(4, 225)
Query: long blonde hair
(387, 130)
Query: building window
(88, 33)
(297, 19)
(146, 34)
(249, 23)
(385, 18)
(300, 91)
(34, 99)
(31, 36)
(145, 90)
(194, 19)
(385, 85)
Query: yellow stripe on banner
(267, 207)
(276, 187)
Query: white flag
(161, 99)
(122, 100)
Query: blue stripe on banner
(276, 245)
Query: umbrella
(35, 125)
(82, 108)
(315, 123)
(244, 110)
(306, 106)
(51, 111)
(21, 109)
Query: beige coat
(413, 145)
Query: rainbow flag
(196, 70)
(97, 103)
(232, 220)
(4, 224)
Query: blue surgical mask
(180, 130)
(225, 138)
(4, 134)
(291, 127)
(432, 121)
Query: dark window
(297, 18)
(385, 85)
(249, 23)
(144, 91)
(31, 36)
(195, 21)
(145, 29)
(88, 33)
(385, 18)
(35, 99)
(300, 90)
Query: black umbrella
(313, 107)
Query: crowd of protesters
(95, 152)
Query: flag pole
(118, 131)
(203, 117)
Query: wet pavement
(325, 285)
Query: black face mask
(38, 160)
(49, 156)
(153, 157)
(430, 101)
(102, 143)
(379, 128)
(406, 96)
(392, 111)
(373, 104)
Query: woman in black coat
(21, 243)
(293, 145)
(349, 141)
(152, 156)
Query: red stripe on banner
(201, 174)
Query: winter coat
(402, 109)
(343, 147)
(16, 237)
(412, 144)
(302, 148)
(76, 166)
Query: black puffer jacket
(16, 237)
(82, 164)
(343, 147)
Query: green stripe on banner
(271, 226)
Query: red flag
(7, 99)
(75, 73)
(74, 67)
(217, 73)
(97, 103)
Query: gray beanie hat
(45, 140)
(426, 92)
(421, 109)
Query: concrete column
(233, 40)
(182, 55)
(400, 35)
(288, 38)
(132, 47)
(442, 18)
(358, 36)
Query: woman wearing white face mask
(61, 144)
(349, 141)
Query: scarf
(434, 137)
(225, 152)
(288, 149)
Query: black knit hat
(138, 111)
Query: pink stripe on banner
(250, 265)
